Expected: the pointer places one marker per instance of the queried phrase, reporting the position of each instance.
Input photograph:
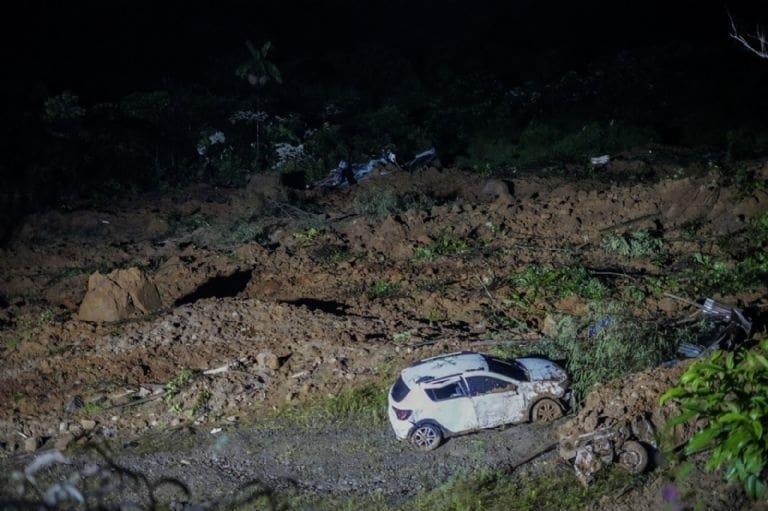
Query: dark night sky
(102, 48)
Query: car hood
(542, 369)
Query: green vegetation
(402, 337)
(177, 383)
(245, 231)
(384, 289)
(91, 408)
(366, 402)
(307, 235)
(201, 401)
(187, 223)
(604, 344)
(542, 143)
(552, 489)
(378, 202)
(728, 392)
(715, 275)
(538, 281)
(633, 244)
(608, 343)
(445, 245)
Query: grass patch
(633, 244)
(553, 489)
(537, 281)
(366, 402)
(709, 274)
(444, 245)
(604, 344)
(182, 224)
(244, 231)
(381, 202)
(384, 289)
(307, 235)
(175, 385)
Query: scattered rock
(88, 424)
(62, 441)
(75, 404)
(497, 190)
(268, 360)
(31, 444)
(120, 295)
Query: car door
(450, 405)
(496, 400)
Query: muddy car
(462, 392)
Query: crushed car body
(462, 392)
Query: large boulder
(120, 295)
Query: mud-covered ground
(300, 296)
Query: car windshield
(508, 368)
(399, 390)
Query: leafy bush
(245, 231)
(711, 274)
(729, 392)
(64, 107)
(542, 143)
(633, 244)
(607, 343)
(177, 383)
(541, 281)
(379, 202)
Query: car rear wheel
(633, 457)
(426, 437)
(546, 410)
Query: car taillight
(402, 414)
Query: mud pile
(300, 293)
(623, 401)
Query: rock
(88, 424)
(75, 404)
(497, 190)
(549, 326)
(62, 441)
(120, 295)
(268, 360)
(31, 444)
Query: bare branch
(759, 46)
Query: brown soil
(297, 285)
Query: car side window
(449, 391)
(479, 385)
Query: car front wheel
(426, 437)
(546, 410)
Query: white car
(462, 392)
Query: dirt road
(342, 460)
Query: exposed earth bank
(268, 297)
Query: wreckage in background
(621, 421)
(346, 174)
(729, 328)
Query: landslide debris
(121, 294)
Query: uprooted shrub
(607, 343)
(728, 392)
(377, 202)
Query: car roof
(445, 365)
